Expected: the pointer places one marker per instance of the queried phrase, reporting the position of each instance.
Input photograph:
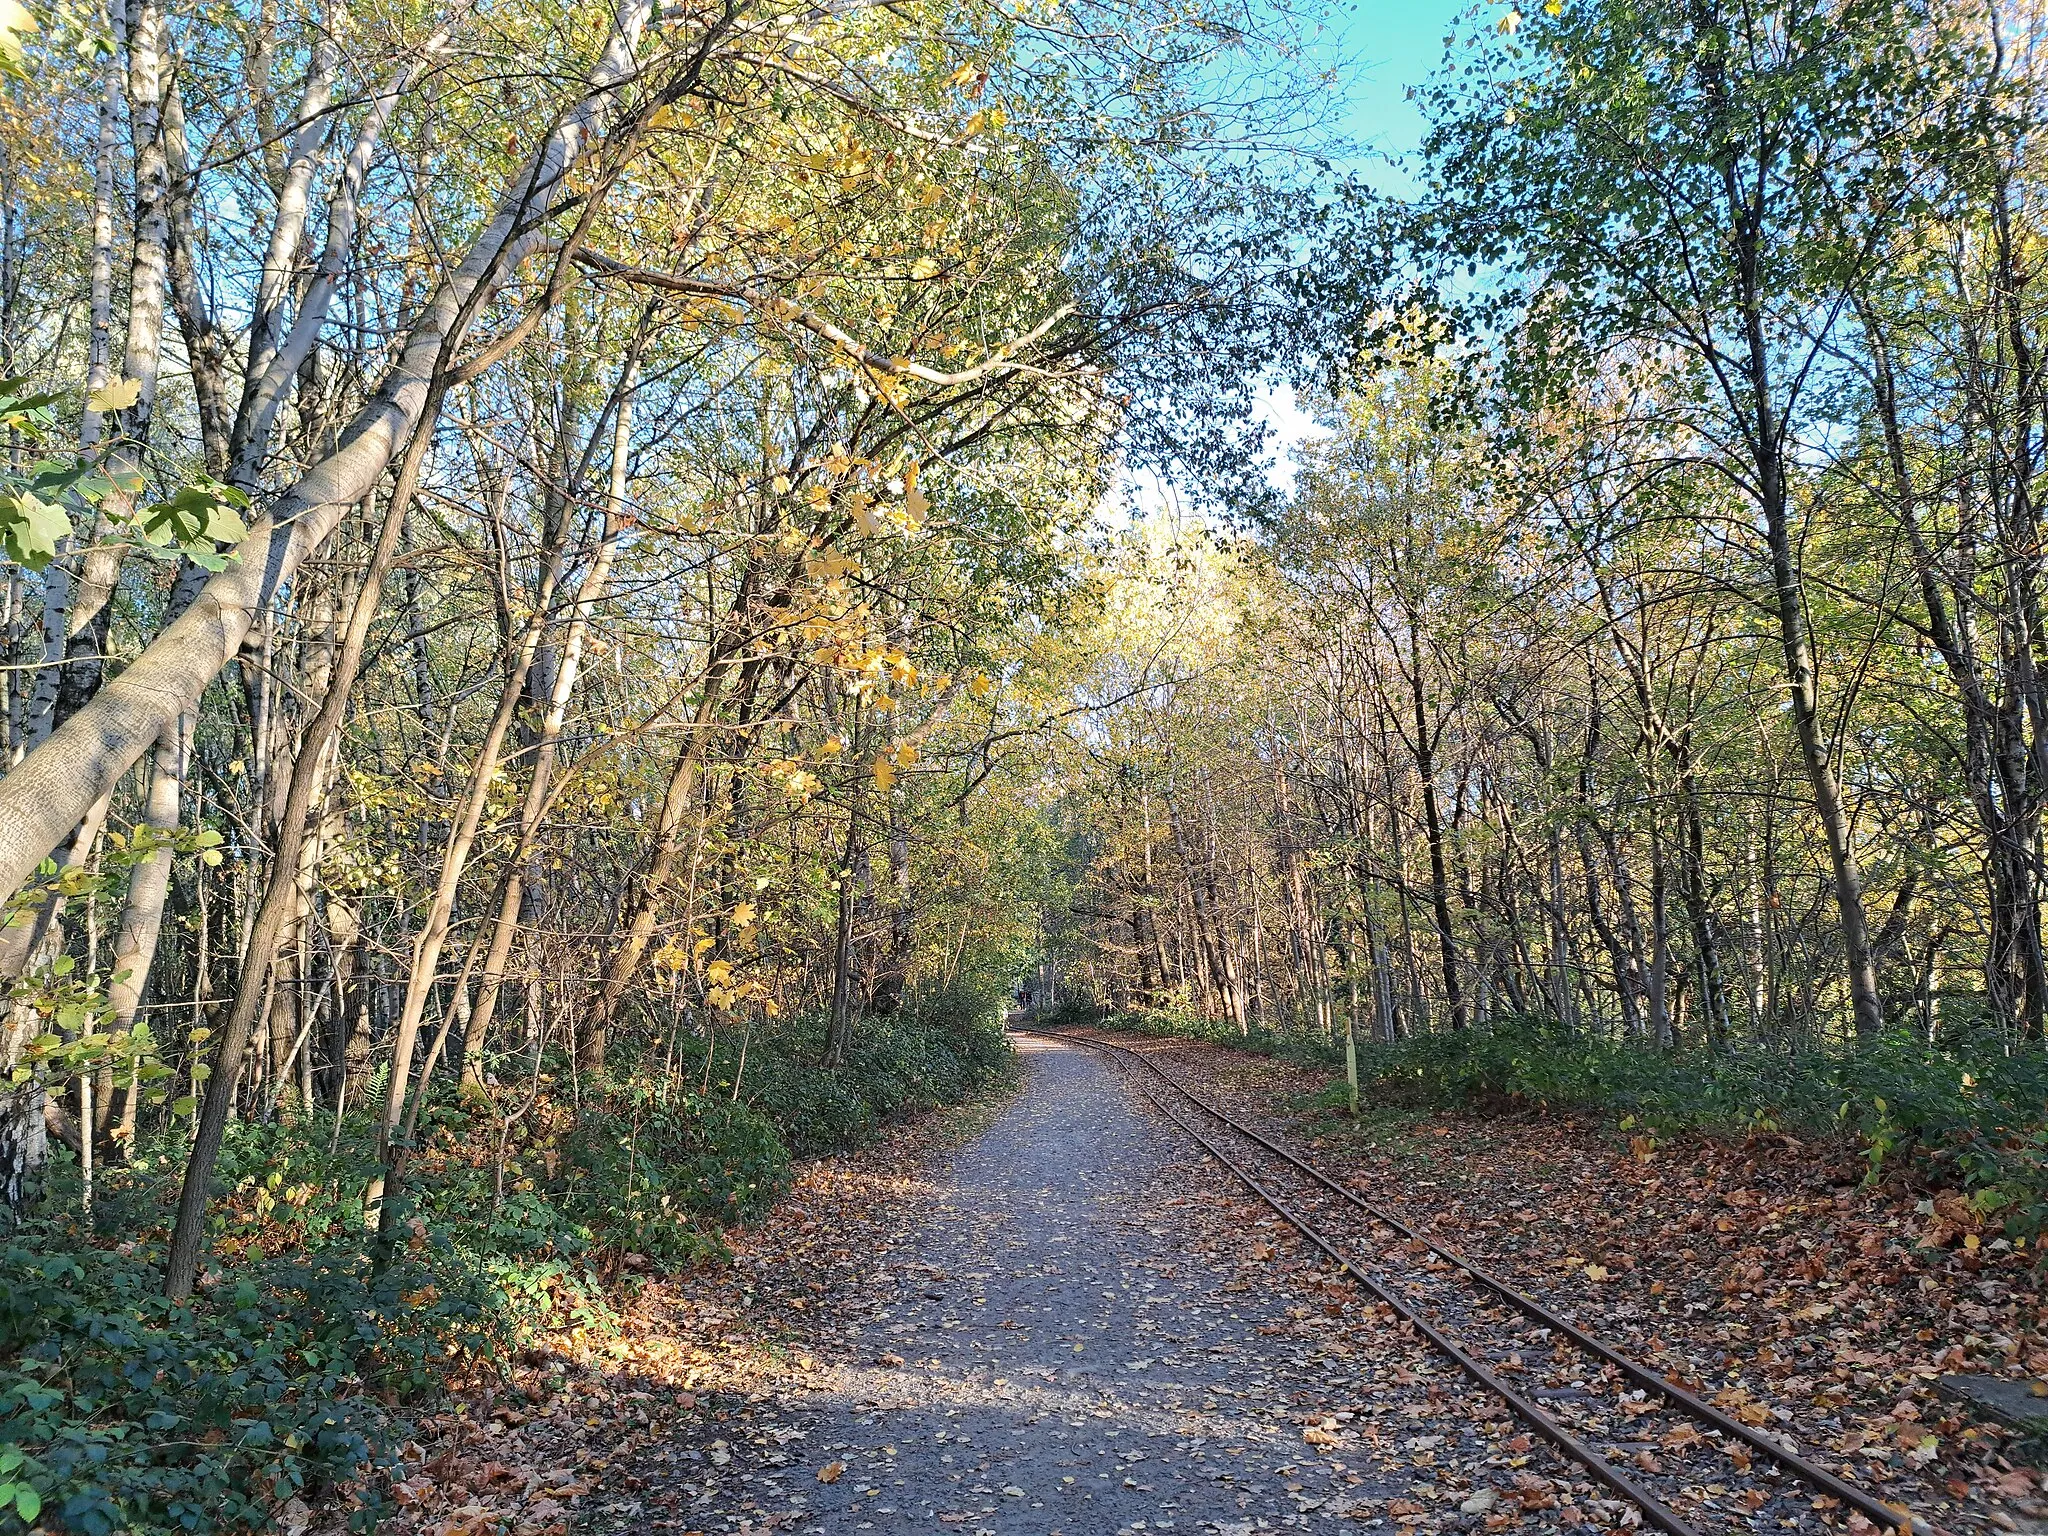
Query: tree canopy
(570, 567)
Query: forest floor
(1053, 1315)
(1087, 1330)
(1771, 1268)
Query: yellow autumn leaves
(123, 393)
(872, 498)
(724, 988)
(887, 765)
(798, 783)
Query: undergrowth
(1964, 1113)
(297, 1364)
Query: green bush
(292, 1371)
(120, 1411)
(1969, 1113)
(940, 1048)
(1173, 1019)
(1077, 1012)
(1966, 1114)
(639, 1173)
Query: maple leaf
(860, 507)
(123, 393)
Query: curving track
(1647, 1438)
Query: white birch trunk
(40, 715)
(266, 322)
(270, 374)
(142, 914)
(148, 268)
(43, 798)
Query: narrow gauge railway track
(1643, 1437)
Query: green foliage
(1965, 1114)
(34, 515)
(1076, 1012)
(72, 1010)
(1174, 1018)
(641, 1171)
(292, 1369)
(37, 506)
(944, 1046)
(193, 519)
(120, 1411)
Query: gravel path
(1070, 1342)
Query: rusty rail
(1884, 1515)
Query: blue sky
(1386, 46)
(1380, 47)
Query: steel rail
(1884, 1515)
(1538, 1418)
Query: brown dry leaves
(1762, 1272)
(569, 1422)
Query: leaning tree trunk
(303, 520)
(249, 437)
(54, 786)
(282, 891)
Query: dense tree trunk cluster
(1653, 642)
(531, 527)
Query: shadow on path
(1067, 1347)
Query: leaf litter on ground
(540, 1444)
(1766, 1272)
